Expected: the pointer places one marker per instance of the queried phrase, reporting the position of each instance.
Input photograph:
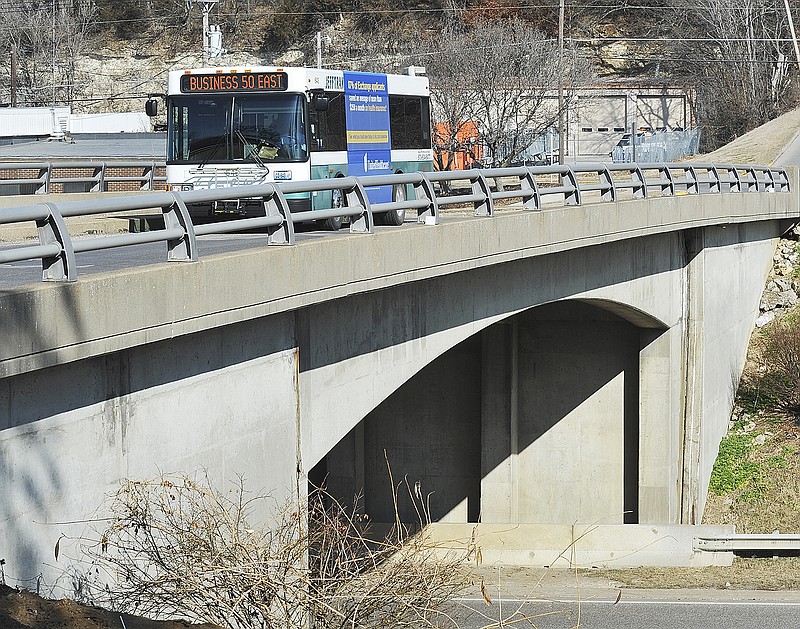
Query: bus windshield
(249, 127)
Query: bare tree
(48, 37)
(503, 77)
(738, 62)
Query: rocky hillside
(756, 479)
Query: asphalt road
(790, 155)
(30, 271)
(640, 613)
(650, 609)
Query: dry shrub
(775, 385)
(176, 547)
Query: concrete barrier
(584, 545)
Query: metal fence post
(276, 205)
(356, 196)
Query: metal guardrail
(45, 179)
(532, 186)
(749, 542)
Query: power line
(23, 8)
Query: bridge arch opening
(534, 419)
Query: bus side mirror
(320, 101)
(151, 107)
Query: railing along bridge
(530, 188)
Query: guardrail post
(424, 189)
(714, 184)
(44, 180)
(783, 183)
(692, 185)
(147, 177)
(752, 179)
(531, 200)
(574, 197)
(770, 180)
(480, 186)
(356, 196)
(276, 205)
(737, 179)
(758, 175)
(53, 230)
(667, 180)
(182, 249)
(609, 191)
(639, 187)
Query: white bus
(252, 125)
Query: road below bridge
(669, 610)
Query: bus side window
(409, 117)
(328, 127)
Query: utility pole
(13, 75)
(561, 113)
(321, 39)
(54, 53)
(205, 7)
(794, 35)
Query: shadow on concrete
(30, 472)
(37, 477)
(435, 429)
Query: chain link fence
(661, 146)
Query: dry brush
(175, 547)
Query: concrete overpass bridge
(567, 365)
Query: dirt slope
(762, 145)
(23, 609)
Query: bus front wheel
(334, 223)
(394, 217)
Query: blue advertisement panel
(367, 117)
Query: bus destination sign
(235, 82)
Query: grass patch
(733, 468)
(755, 483)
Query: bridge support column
(693, 372)
(500, 423)
(660, 447)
